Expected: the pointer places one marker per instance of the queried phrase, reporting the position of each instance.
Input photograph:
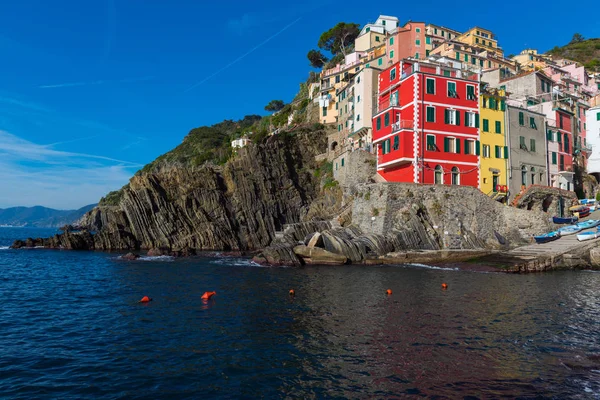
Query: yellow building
(494, 147)
(481, 38)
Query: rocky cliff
(238, 206)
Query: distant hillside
(587, 52)
(40, 217)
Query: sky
(90, 92)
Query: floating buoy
(444, 286)
(292, 292)
(388, 292)
(208, 295)
(145, 299)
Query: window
(430, 117)
(457, 55)
(391, 41)
(417, 56)
(452, 145)
(358, 98)
(532, 145)
(368, 30)
(553, 158)
(367, 65)
(484, 102)
(339, 127)
(380, 61)
(378, 123)
(498, 126)
(598, 113)
(427, 40)
(532, 123)
(452, 117)
(418, 43)
(418, 30)
(469, 147)
(393, 74)
(466, 57)
(324, 111)
(521, 118)
(561, 165)
(386, 119)
(502, 105)
(435, 31)
(498, 151)
(438, 175)
(431, 143)
(357, 117)
(377, 38)
(481, 63)
(489, 64)
(486, 125)
(471, 92)
(396, 142)
(486, 151)
(385, 147)
(473, 60)
(337, 79)
(455, 176)
(566, 144)
(493, 104)
(342, 162)
(427, 53)
(471, 119)
(442, 33)
(476, 40)
(524, 175)
(452, 89)
(430, 86)
(392, 54)
(560, 121)
(522, 144)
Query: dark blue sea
(71, 327)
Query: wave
(235, 262)
(4, 247)
(152, 258)
(431, 267)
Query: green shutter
(498, 127)
(553, 158)
(477, 147)
(466, 118)
(476, 120)
(522, 141)
(430, 114)
(396, 142)
(430, 141)
(457, 145)
(386, 119)
(521, 118)
(486, 125)
(378, 123)
(532, 144)
(549, 135)
(446, 116)
(457, 55)
(497, 151)
(505, 151)
(598, 113)
(457, 114)
(430, 86)
(559, 137)
(446, 145)
(502, 105)
(342, 162)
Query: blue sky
(92, 91)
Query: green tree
(339, 38)
(316, 58)
(275, 105)
(577, 38)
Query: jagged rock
(17, 244)
(595, 257)
(277, 255)
(316, 240)
(158, 252)
(316, 255)
(130, 256)
(186, 252)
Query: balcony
(404, 124)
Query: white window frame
(452, 120)
(486, 148)
(452, 144)
(435, 171)
(471, 146)
(434, 142)
(426, 107)
(448, 88)
(457, 176)
(429, 79)
(470, 116)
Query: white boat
(569, 230)
(587, 236)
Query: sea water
(71, 327)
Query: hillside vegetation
(586, 52)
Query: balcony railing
(402, 124)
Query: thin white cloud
(97, 82)
(240, 58)
(34, 174)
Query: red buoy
(145, 299)
(444, 286)
(388, 292)
(292, 292)
(208, 295)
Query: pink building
(407, 41)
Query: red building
(427, 123)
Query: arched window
(566, 143)
(532, 175)
(438, 175)
(334, 146)
(523, 176)
(455, 176)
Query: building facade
(494, 146)
(593, 140)
(425, 127)
(528, 149)
(483, 38)
(407, 41)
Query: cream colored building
(483, 38)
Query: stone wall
(358, 167)
(552, 200)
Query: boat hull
(548, 237)
(587, 236)
(564, 220)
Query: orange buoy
(292, 292)
(145, 299)
(444, 286)
(208, 295)
(388, 292)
